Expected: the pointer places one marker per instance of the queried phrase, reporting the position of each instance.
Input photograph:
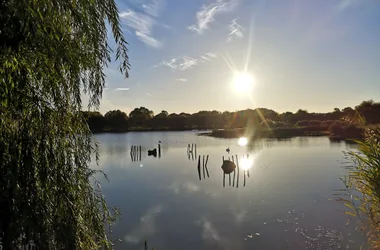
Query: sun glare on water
(243, 82)
(246, 163)
(243, 141)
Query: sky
(309, 54)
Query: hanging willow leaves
(51, 52)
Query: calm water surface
(287, 202)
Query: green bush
(365, 179)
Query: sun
(242, 82)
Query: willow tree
(51, 52)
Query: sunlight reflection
(243, 141)
(246, 163)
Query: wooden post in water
(233, 178)
(206, 167)
(140, 152)
(244, 178)
(199, 168)
(195, 148)
(159, 150)
(237, 166)
(204, 174)
(192, 147)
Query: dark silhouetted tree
(139, 116)
(117, 120)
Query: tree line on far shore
(367, 112)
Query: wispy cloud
(153, 8)
(148, 94)
(236, 30)
(344, 4)
(180, 63)
(208, 56)
(186, 62)
(207, 14)
(142, 23)
(182, 79)
(121, 89)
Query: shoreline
(276, 133)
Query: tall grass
(363, 185)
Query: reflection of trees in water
(303, 142)
(112, 150)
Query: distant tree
(287, 117)
(369, 111)
(301, 115)
(95, 120)
(116, 120)
(163, 114)
(51, 51)
(139, 116)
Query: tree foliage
(50, 52)
(139, 116)
(116, 119)
(142, 117)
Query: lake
(287, 202)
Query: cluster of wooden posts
(235, 176)
(192, 151)
(136, 153)
(205, 169)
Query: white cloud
(186, 62)
(344, 4)
(236, 30)
(153, 8)
(148, 94)
(182, 79)
(142, 23)
(180, 63)
(208, 12)
(121, 89)
(148, 40)
(208, 56)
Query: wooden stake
(237, 165)
(199, 168)
(206, 167)
(204, 174)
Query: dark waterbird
(152, 152)
(228, 150)
(228, 166)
